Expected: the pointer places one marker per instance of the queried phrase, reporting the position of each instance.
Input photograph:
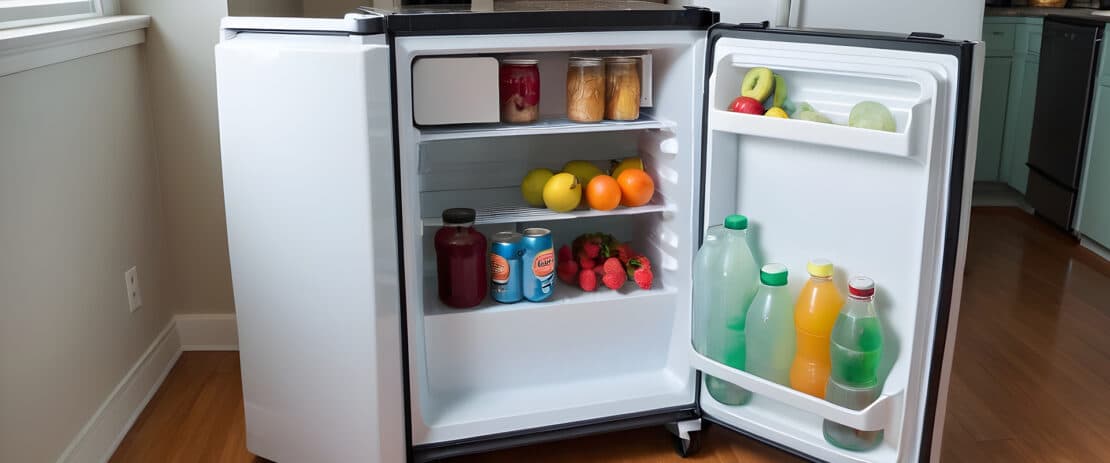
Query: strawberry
(568, 271)
(613, 265)
(585, 262)
(565, 254)
(635, 263)
(591, 249)
(587, 281)
(643, 277)
(614, 280)
(623, 252)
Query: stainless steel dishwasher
(1065, 86)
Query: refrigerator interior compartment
(833, 87)
(879, 415)
(790, 427)
(547, 124)
(595, 355)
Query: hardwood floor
(1029, 382)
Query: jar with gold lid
(622, 88)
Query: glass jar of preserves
(520, 90)
(622, 88)
(585, 89)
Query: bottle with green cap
(770, 327)
(815, 313)
(725, 279)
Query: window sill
(30, 47)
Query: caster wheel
(687, 447)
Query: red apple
(746, 105)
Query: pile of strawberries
(596, 256)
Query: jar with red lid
(520, 90)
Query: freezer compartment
(833, 88)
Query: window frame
(22, 13)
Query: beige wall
(182, 73)
(79, 204)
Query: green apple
(532, 186)
(807, 113)
(758, 84)
(872, 115)
(780, 92)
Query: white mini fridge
(333, 192)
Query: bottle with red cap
(855, 350)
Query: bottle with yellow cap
(815, 314)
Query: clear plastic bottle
(770, 327)
(856, 348)
(725, 276)
(815, 313)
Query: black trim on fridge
(534, 22)
(405, 380)
(917, 42)
(489, 443)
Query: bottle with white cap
(855, 351)
(770, 327)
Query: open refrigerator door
(891, 205)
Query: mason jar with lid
(585, 89)
(520, 90)
(622, 88)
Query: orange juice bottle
(814, 316)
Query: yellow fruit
(776, 112)
(532, 186)
(627, 163)
(562, 192)
(584, 170)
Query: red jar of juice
(460, 260)
(520, 90)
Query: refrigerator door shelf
(550, 125)
(879, 415)
(817, 133)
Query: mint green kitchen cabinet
(992, 117)
(1021, 99)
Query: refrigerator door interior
(307, 147)
(888, 205)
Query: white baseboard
(98, 439)
(1094, 247)
(207, 332)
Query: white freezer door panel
(307, 150)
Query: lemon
(584, 170)
(532, 186)
(627, 163)
(776, 112)
(562, 192)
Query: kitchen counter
(1033, 12)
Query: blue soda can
(538, 263)
(504, 267)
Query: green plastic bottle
(856, 349)
(770, 327)
(724, 285)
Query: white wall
(79, 204)
(182, 73)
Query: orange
(637, 187)
(603, 193)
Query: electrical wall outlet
(134, 294)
